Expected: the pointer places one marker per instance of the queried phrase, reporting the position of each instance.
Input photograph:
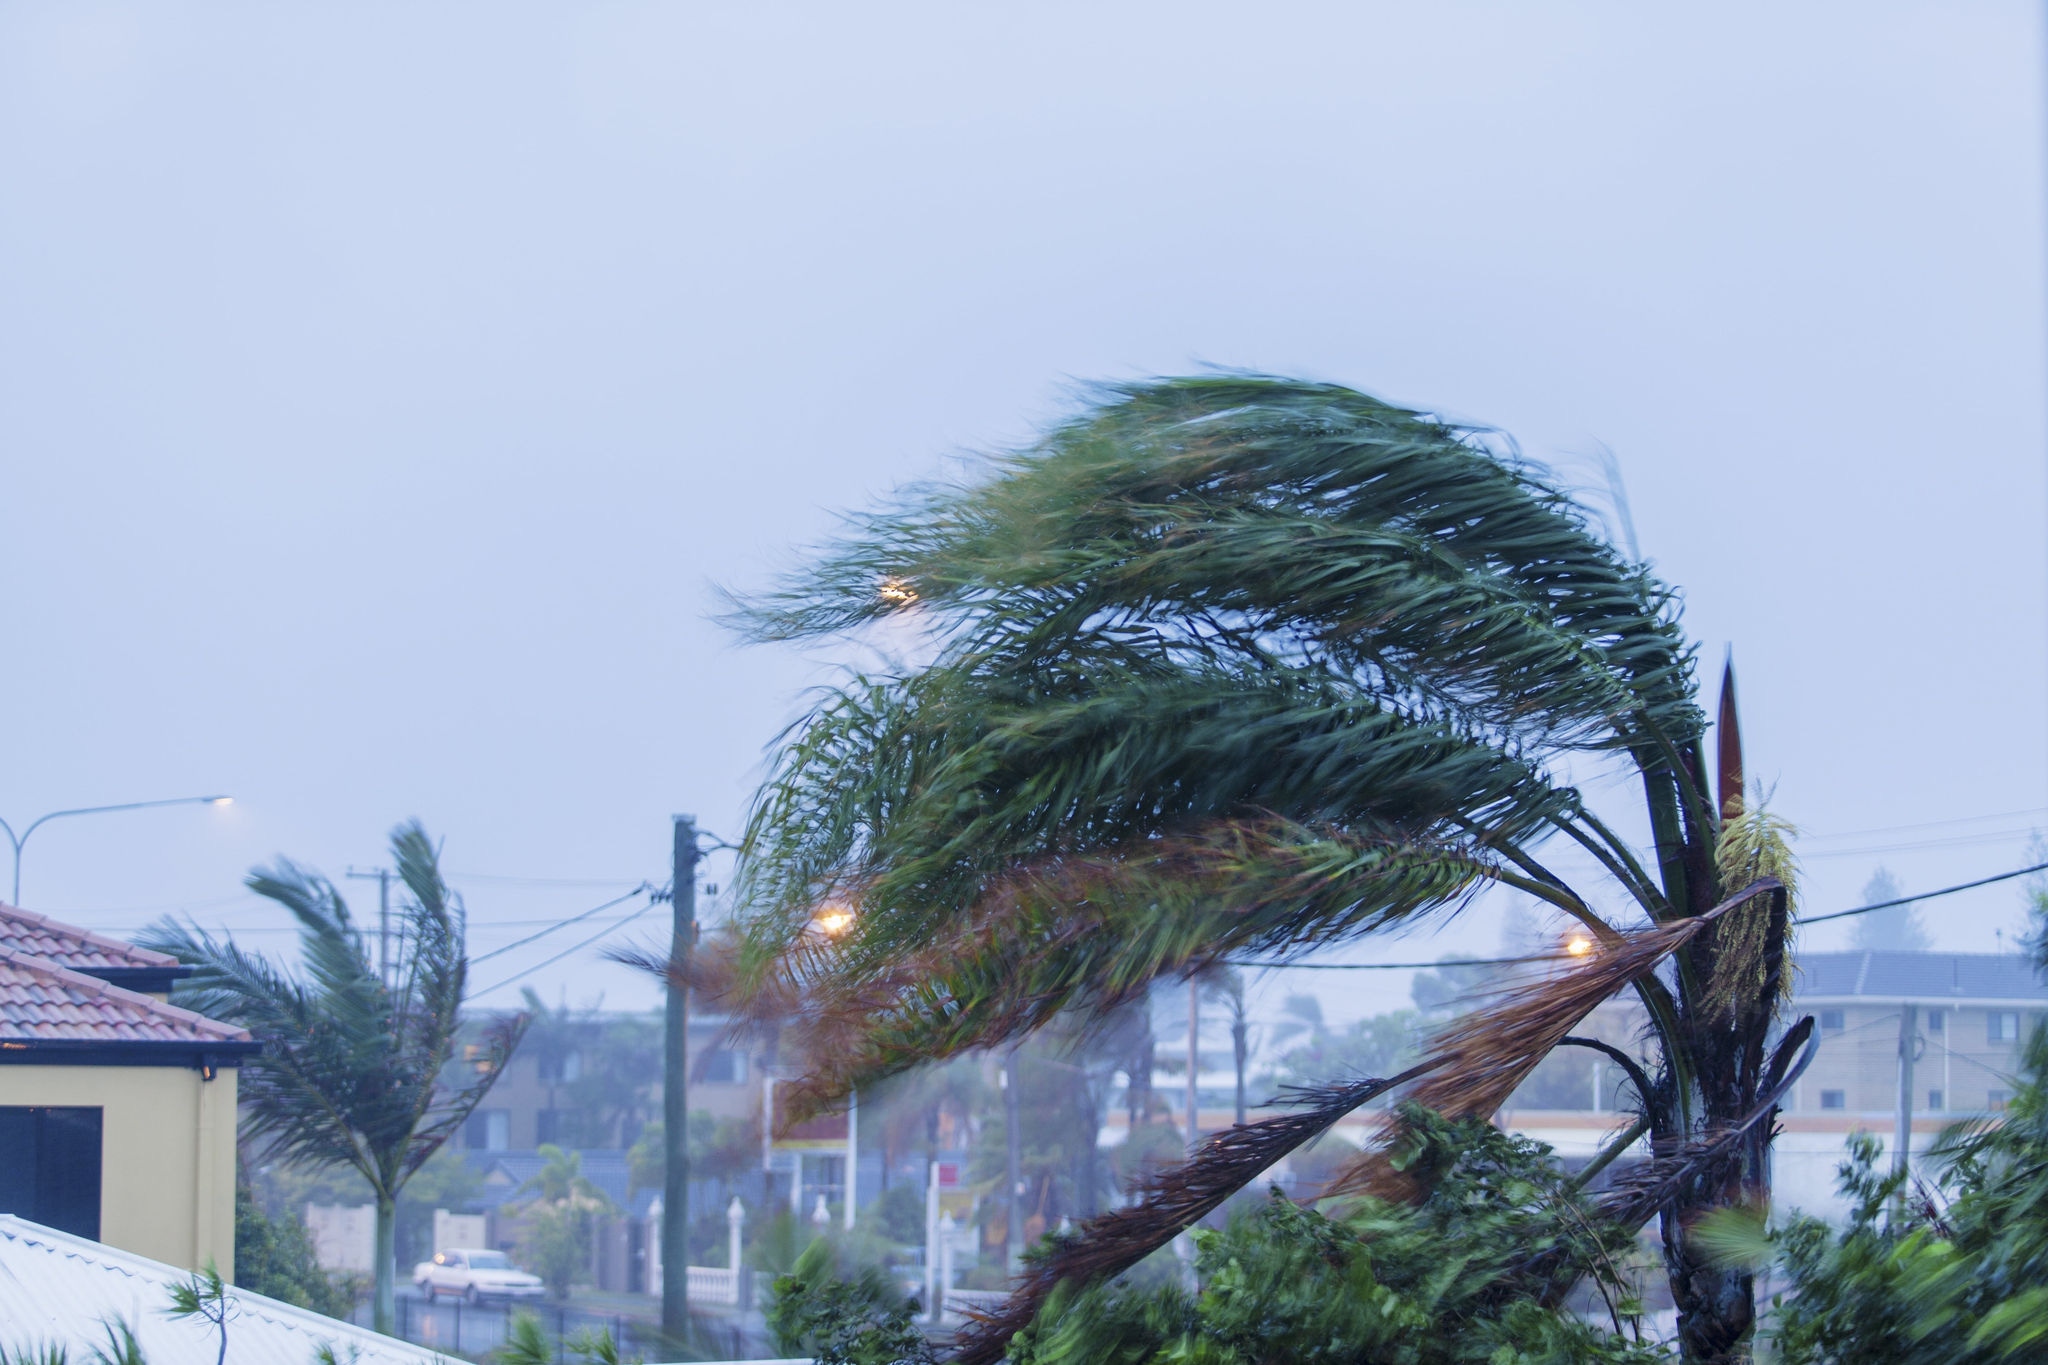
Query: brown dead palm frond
(1486, 1054)
(1071, 932)
(1636, 1196)
(1171, 1202)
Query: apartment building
(1949, 1025)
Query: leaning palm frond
(1084, 935)
(355, 1070)
(1237, 667)
(1483, 1056)
(1172, 1202)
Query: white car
(473, 1275)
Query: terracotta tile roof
(23, 931)
(43, 1002)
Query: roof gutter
(203, 1057)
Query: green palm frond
(353, 1072)
(1234, 667)
(1203, 605)
(1272, 518)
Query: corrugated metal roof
(42, 1001)
(1918, 976)
(24, 931)
(59, 1289)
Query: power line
(1926, 824)
(1553, 957)
(1924, 896)
(618, 923)
(561, 924)
(1398, 966)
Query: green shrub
(1443, 1282)
(838, 1319)
(274, 1257)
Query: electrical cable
(1552, 957)
(1923, 896)
(616, 924)
(561, 924)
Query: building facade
(117, 1110)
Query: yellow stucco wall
(167, 1173)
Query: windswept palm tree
(355, 1071)
(1232, 669)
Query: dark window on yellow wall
(50, 1167)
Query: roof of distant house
(57, 1289)
(51, 1014)
(1887, 975)
(505, 1173)
(124, 964)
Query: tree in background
(1949, 1268)
(600, 1070)
(355, 1069)
(1231, 669)
(1377, 1045)
(1895, 930)
(274, 1257)
(1227, 989)
(556, 1226)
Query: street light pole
(19, 839)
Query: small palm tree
(560, 1179)
(1232, 668)
(355, 1070)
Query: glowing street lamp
(19, 839)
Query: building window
(488, 1130)
(1834, 1099)
(1995, 1101)
(723, 1066)
(2002, 1026)
(1936, 1101)
(50, 1167)
(552, 1125)
(1937, 1021)
(1831, 1021)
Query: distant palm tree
(561, 1180)
(355, 1071)
(1229, 669)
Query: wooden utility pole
(675, 1088)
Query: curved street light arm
(22, 838)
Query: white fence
(715, 1284)
(344, 1236)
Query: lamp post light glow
(19, 839)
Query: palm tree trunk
(384, 1305)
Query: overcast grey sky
(383, 386)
